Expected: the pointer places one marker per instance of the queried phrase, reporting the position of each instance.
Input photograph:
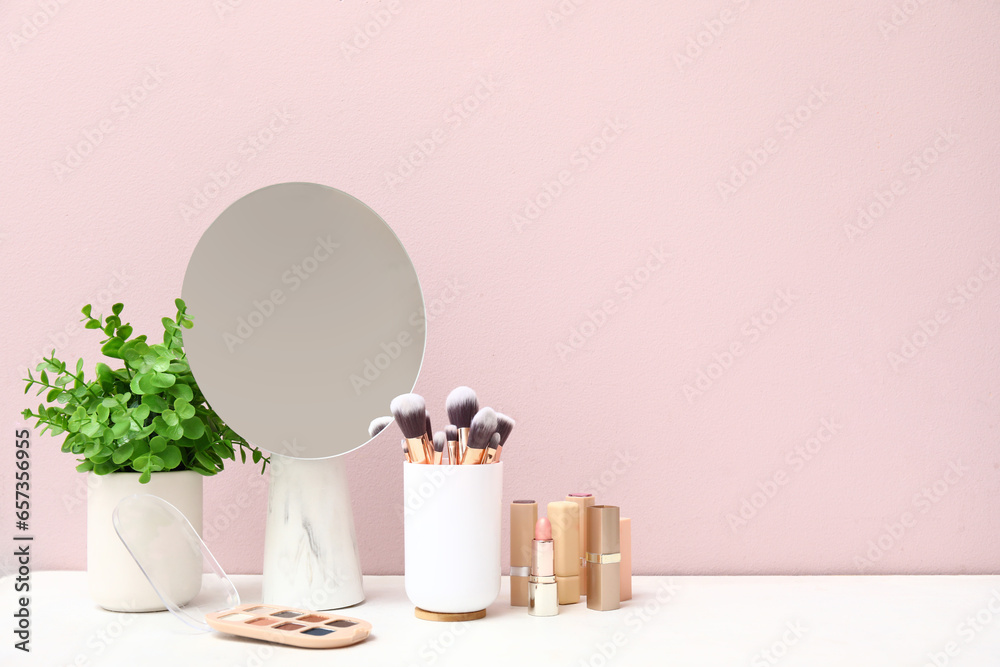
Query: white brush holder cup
(452, 538)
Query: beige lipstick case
(583, 501)
(523, 515)
(565, 519)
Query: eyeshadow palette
(294, 627)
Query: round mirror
(308, 319)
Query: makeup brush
(504, 426)
(439, 441)
(483, 426)
(410, 412)
(427, 427)
(451, 435)
(378, 424)
(491, 449)
(406, 451)
(461, 406)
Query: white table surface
(838, 620)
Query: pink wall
(629, 138)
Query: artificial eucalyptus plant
(146, 416)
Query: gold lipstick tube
(543, 600)
(603, 558)
(523, 516)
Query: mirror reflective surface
(308, 319)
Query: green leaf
(123, 453)
(193, 428)
(79, 366)
(179, 303)
(92, 324)
(144, 477)
(157, 444)
(102, 412)
(204, 459)
(92, 448)
(140, 463)
(156, 463)
(112, 348)
(171, 457)
(154, 402)
(102, 456)
(104, 468)
(120, 429)
(163, 380)
(85, 466)
(90, 429)
(124, 332)
(140, 412)
(142, 383)
(257, 455)
(181, 390)
(51, 396)
(183, 409)
(117, 308)
(86, 310)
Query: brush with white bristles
(461, 406)
(451, 435)
(410, 413)
(439, 442)
(504, 426)
(378, 425)
(482, 428)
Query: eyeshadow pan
(259, 610)
(263, 621)
(287, 614)
(289, 626)
(341, 623)
(239, 616)
(313, 618)
(318, 632)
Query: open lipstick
(543, 599)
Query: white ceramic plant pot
(452, 536)
(115, 581)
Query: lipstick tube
(625, 536)
(543, 600)
(523, 515)
(565, 519)
(583, 500)
(603, 558)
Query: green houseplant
(146, 416)
(143, 427)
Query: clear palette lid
(175, 560)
